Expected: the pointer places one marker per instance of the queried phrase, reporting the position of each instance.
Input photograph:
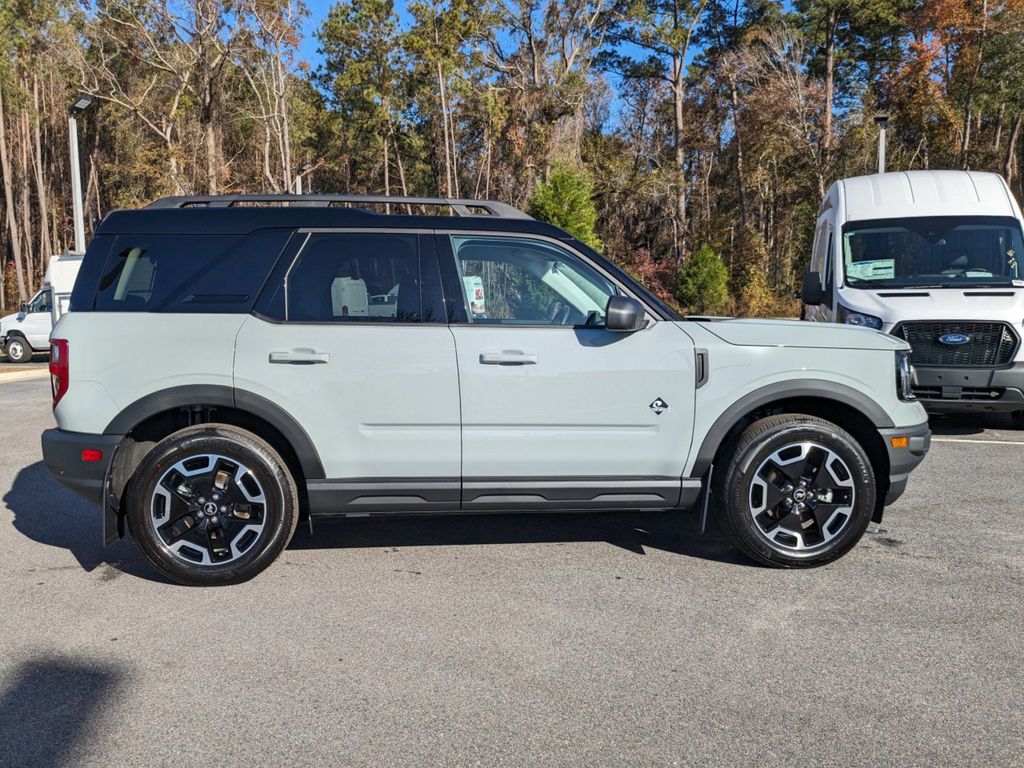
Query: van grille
(990, 344)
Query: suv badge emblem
(954, 339)
(659, 406)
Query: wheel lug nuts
(223, 509)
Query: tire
(18, 350)
(758, 491)
(212, 505)
(1018, 419)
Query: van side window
(356, 277)
(826, 277)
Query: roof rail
(459, 206)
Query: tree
(704, 282)
(663, 31)
(565, 200)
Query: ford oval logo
(954, 339)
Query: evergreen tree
(704, 283)
(566, 200)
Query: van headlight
(850, 317)
(904, 376)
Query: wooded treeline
(687, 126)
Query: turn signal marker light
(899, 442)
(91, 454)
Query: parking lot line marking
(969, 440)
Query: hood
(796, 333)
(894, 306)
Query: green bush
(704, 283)
(565, 200)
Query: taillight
(58, 368)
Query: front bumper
(952, 390)
(902, 461)
(62, 453)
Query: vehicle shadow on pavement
(48, 707)
(670, 531)
(961, 424)
(46, 512)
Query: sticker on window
(475, 291)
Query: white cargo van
(933, 257)
(27, 331)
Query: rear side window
(356, 277)
(188, 273)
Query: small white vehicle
(27, 331)
(934, 258)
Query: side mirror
(624, 314)
(23, 307)
(811, 292)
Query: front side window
(40, 302)
(356, 277)
(933, 251)
(520, 281)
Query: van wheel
(212, 504)
(1018, 419)
(18, 350)
(798, 491)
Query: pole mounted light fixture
(882, 121)
(78, 107)
(81, 104)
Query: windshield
(933, 252)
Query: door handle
(508, 357)
(299, 357)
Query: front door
(361, 356)
(558, 412)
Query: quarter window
(519, 281)
(355, 277)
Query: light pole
(882, 121)
(303, 170)
(78, 107)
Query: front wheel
(18, 350)
(798, 491)
(1018, 419)
(211, 505)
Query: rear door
(558, 412)
(352, 341)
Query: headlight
(904, 376)
(848, 316)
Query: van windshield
(933, 252)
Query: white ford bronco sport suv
(232, 363)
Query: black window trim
(307, 232)
(446, 253)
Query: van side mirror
(811, 293)
(23, 307)
(624, 314)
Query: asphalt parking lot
(608, 639)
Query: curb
(35, 373)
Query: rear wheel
(212, 505)
(18, 350)
(798, 491)
(1018, 419)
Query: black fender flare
(819, 389)
(211, 394)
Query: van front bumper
(904, 459)
(953, 390)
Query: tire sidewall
(737, 501)
(26, 350)
(281, 509)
